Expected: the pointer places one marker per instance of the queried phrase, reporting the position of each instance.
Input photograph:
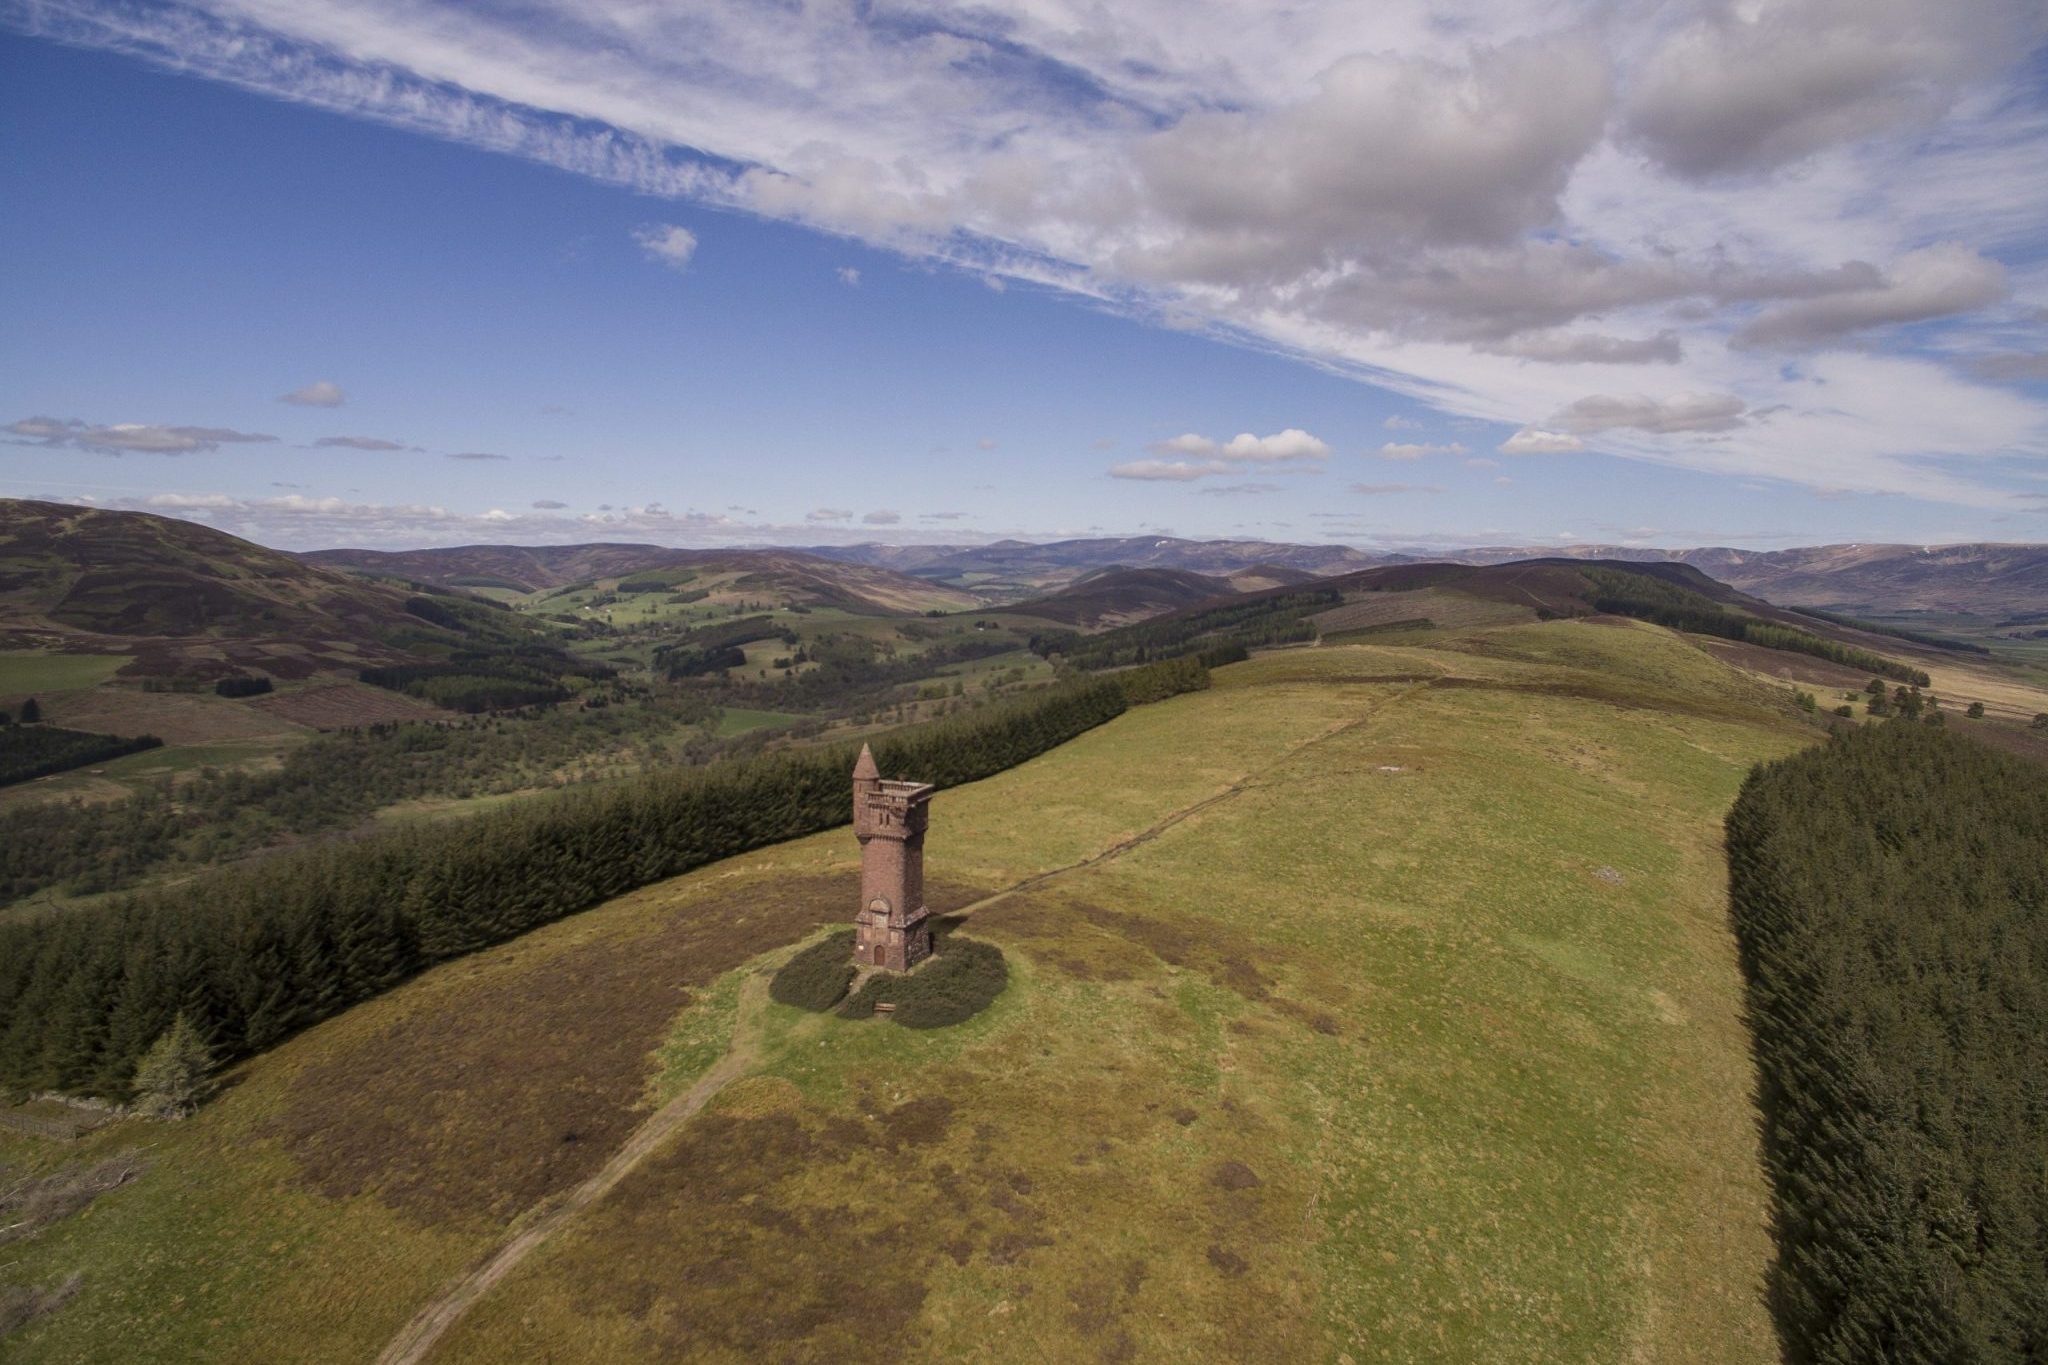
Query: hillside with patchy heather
(175, 598)
(785, 575)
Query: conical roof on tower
(865, 770)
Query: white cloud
(1175, 471)
(1664, 416)
(1416, 450)
(1747, 86)
(549, 505)
(665, 242)
(1548, 195)
(127, 438)
(1536, 441)
(321, 393)
(1585, 348)
(829, 514)
(358, 443)
(476, 455)
(1290, 444)
(1389, 489)
(1399, 423)
(1238, 490)
(1931, 283)
(848, 275)
(883, 518)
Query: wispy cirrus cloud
(1558, 208)
(359, 443)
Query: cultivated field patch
(335, 706)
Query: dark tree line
(249, 954)
(1890, 895)
(473, 681)
(32, 751)
(1278, 619)
(1676, 608)
(1918, 637)
(82, 848)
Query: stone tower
(889, 819)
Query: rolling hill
(1991, 582)
(1982, 580)
(788, 576)
(1017, 570)
(1113, 597)
(179, 599)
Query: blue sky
(933, 282)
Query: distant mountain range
(1990, 581)
(181, 597)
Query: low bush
(816, 978)
(960, 982)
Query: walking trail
(432, 1322)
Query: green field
(738, 720)
(1378, 1004)
(29, 672)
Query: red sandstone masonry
(889, 819)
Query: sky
(713, 272)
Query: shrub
(959, 983)
(242, 686)
(174, 1074)
(31, 712)
(816, 978)
(1976, 711)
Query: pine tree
(31, 711)
(174, 1075)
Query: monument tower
(889, 819)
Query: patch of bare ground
(335, 706)
(30, 1204)
(22, 1304)
(527, 1085)
(1093, 943)
(1780, 663)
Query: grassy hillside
(787, 576)
(1113, 597)
(180, 600)
(1377, 1004)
